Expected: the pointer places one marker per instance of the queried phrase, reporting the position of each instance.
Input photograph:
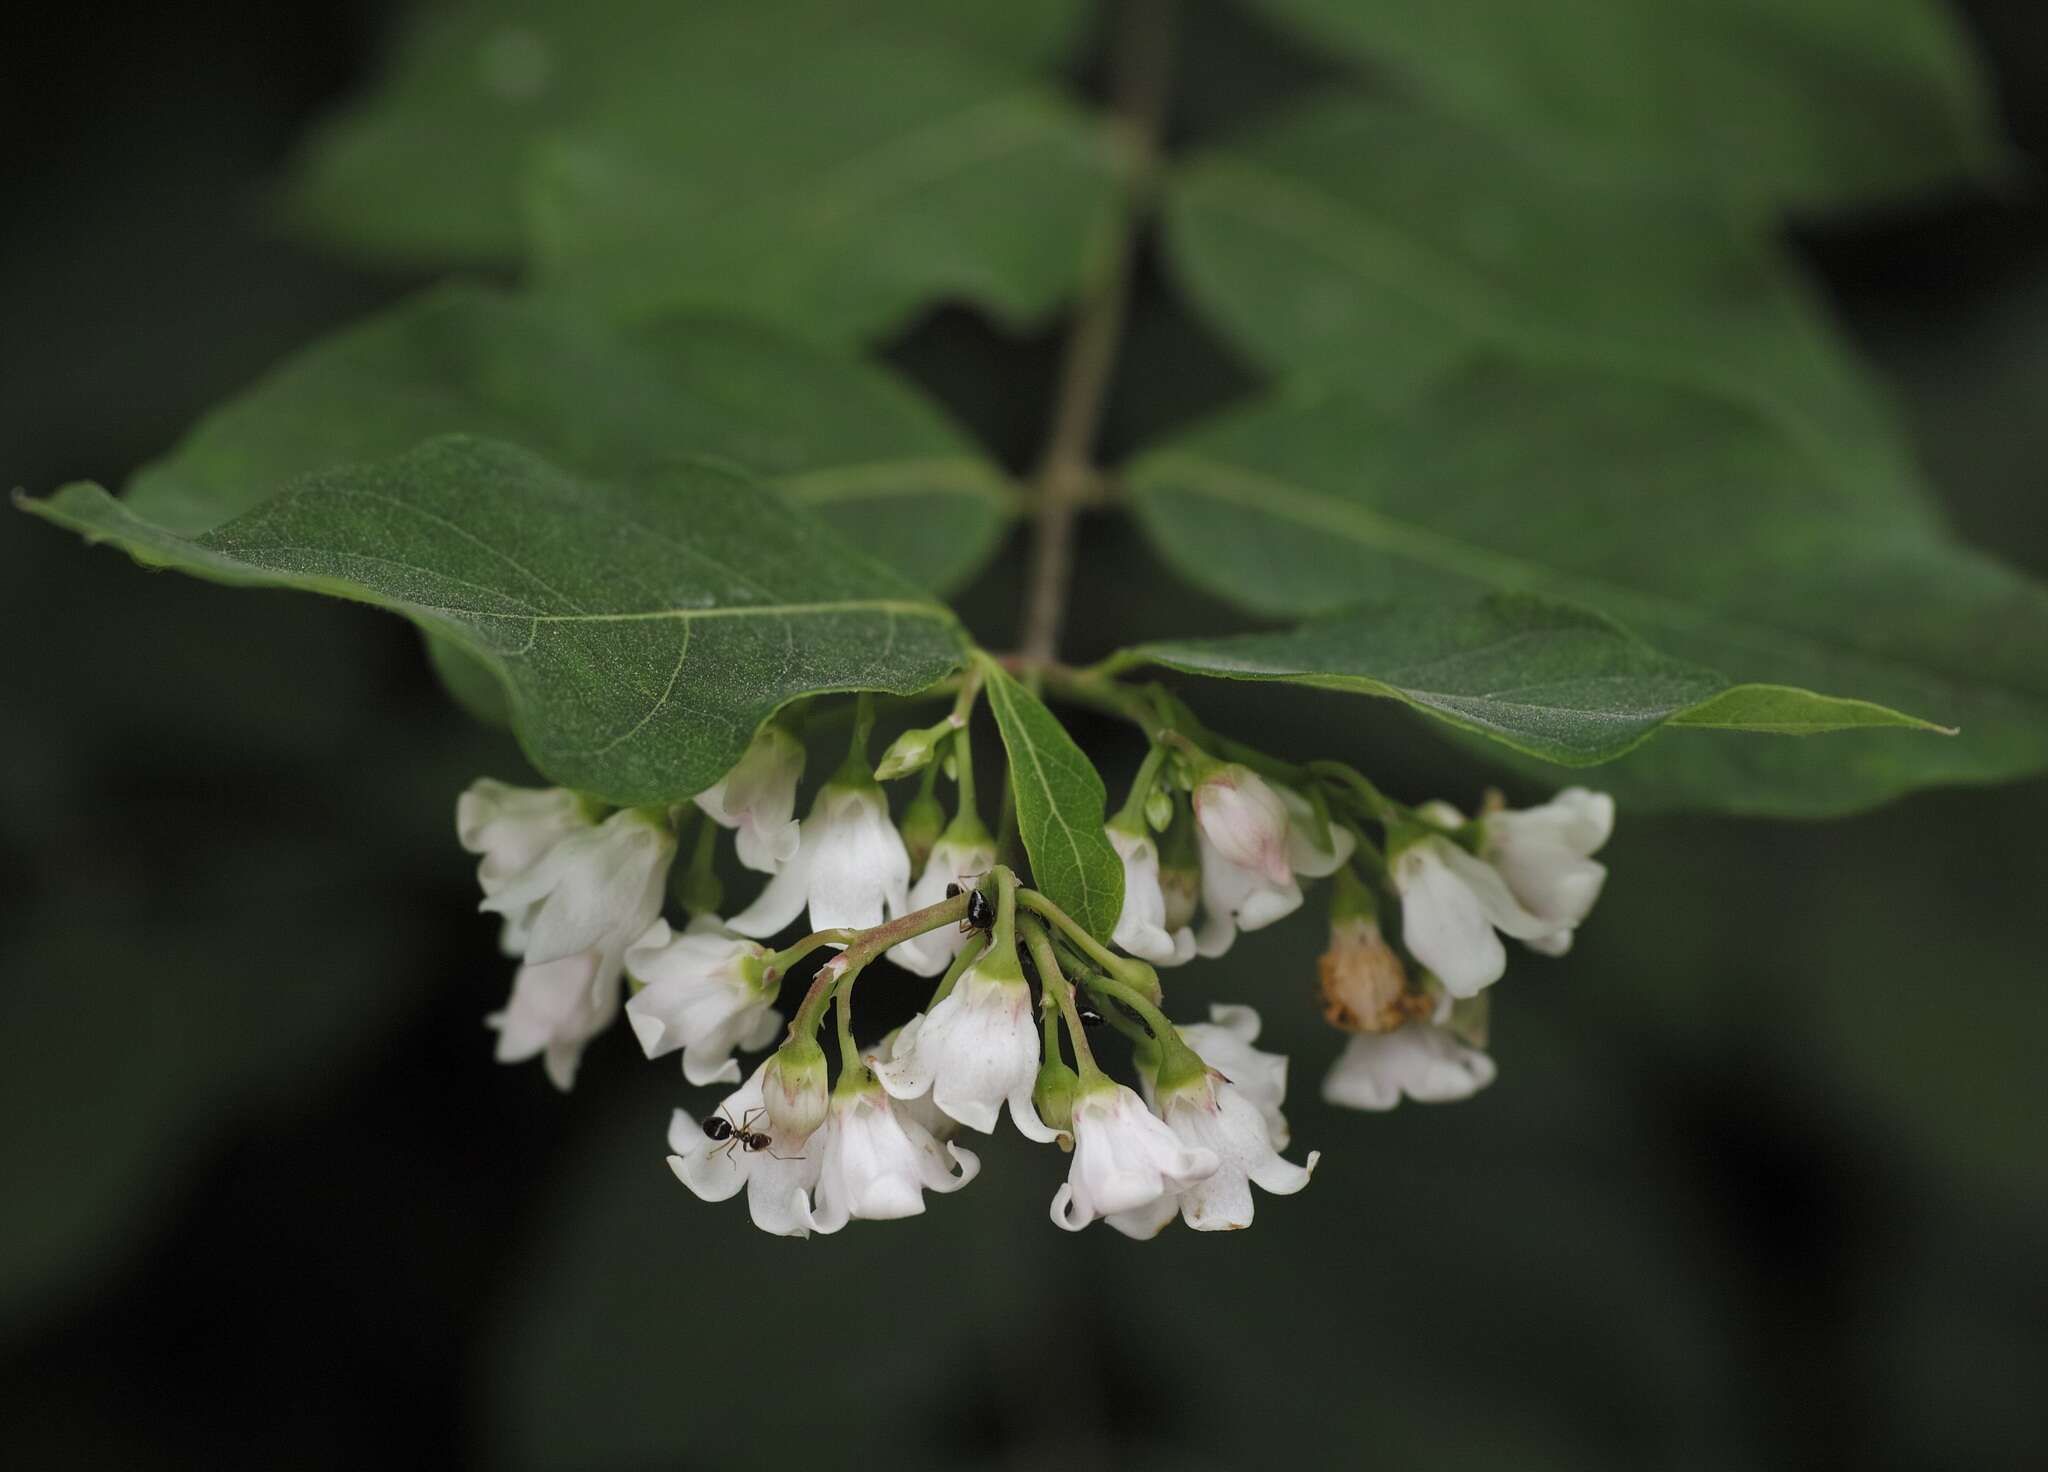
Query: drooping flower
(1316, 847)
(1224, 1042)
(928, 1116)
(877, 1162)
(1141, 928)
(1125, 1158)
(1237, 898)
(757, 799)
(963, 854)
(511, 827)
(849, 868)
(1452, 903)
(707, 992)
(594, 889)
(1244, 820)
(554, 1009)
(1545, 855)
(976, 1049)
(1363, 983)
(1424, 1060)
(1211, 1115)
(778, 1179)
(588, 897)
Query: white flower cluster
(1208, 849)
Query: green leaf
(1698, 527)
(904, 177)
(1542, 677)
(829, 167)
(642, 627)
(473, 683)
(1802, 103)
(869, 455)
(1381, 247)
(1060, 807)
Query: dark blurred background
(1763, 1182)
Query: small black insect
(741, 1136)
(981, 913)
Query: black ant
(981, 911)
(742, 1136)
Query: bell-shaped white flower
(778, 1178)
(595, 889)
(1452, 903)
(1125, 1159)
(1545, 855)
(1141, 927)
(1212, 1115)
(555, 1008)
(963, 854)
(1308, 856)
(705, 991)
(1224, 1042)
(511, 827)
(757, 799)
(1425, 1061)
(927, 1115)
(592, 894)
(850, 867)
(1237, 898)
(877, 1162)
(1244, 820)
(976, 1049)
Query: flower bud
(793, 1090)
(1158, 809)
(1053, 1097)
(1245, 820)
(911, 752)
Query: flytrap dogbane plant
(665, 522)
(1023, 983)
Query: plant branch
(1066, 476)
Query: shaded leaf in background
(643, 628)
(1542, 677)
(867, 453)
(1800, 103)
(1060, 801)
(1379, 246)
(427, 169)
(827, 167)
(1696, 526)
(904, 176)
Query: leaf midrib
(1306, 506)
(1080, 866)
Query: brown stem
(867, 945)
(1066, 475)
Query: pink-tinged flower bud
(793, 1091)
(1245, 821)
